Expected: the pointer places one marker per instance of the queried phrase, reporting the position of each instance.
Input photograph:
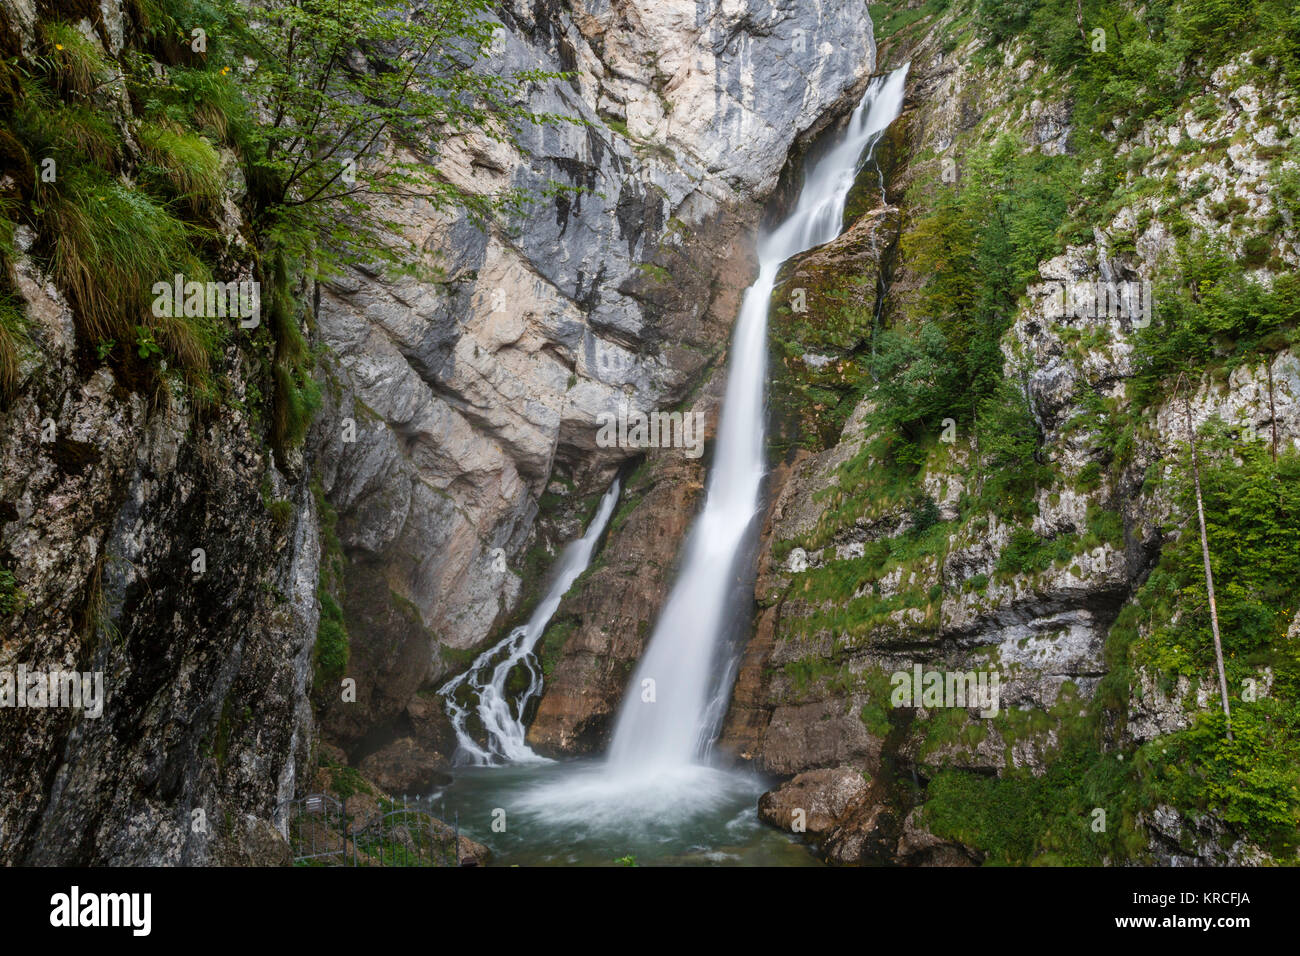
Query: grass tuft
(187, 165)
(13, 320)
(75, 62)
(110, 245)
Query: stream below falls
(570, 813)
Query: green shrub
(1009, 443)
(1213, 312)
(11, 597)
(1027, 553)
(978, 245)
(13, 320)
(1105, 527)
(1089, 478)
(923, 515)
(1250, 781)
(333, 646)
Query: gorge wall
(963, 479)
(455, 449)
(475, 397)
(110, 479)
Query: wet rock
(599, 631)
(816, 799)
(405, 766)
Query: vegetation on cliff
(952, 443)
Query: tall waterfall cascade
(656, 766)
(678, 693)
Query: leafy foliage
(1250, 781)
(361, 97)
(1010, 443)
(1252, 514)
(1211, 313)
(1027, 553)
(1155, 53)
(978, 245)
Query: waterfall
(486, 678)
(674, 702)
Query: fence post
(349, 834)
(455, 846)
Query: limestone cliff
(112, 481)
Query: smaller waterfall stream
(501, 716)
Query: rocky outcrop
(471, 393)
(405, 767)
(812, 802)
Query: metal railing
(321, 832)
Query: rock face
(469, 394)
(813, 801)
(405, 767)
(450, 406)
(813, 700)
(205, 675)
(599, 631)
(157, 546)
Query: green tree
(356, 101)
(1009, 444)
(915, 381)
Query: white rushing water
(674, 702)
(656, 789)
(502, 716)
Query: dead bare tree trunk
(1272, 411)
(1205, 556)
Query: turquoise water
(576, 813)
